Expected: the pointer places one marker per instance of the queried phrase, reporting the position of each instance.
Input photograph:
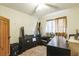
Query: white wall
(18, 19)
(72, 19)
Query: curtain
(58, 25)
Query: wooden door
(4, 37)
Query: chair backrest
(61, 34)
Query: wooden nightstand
(73, 45)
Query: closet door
(4, 37)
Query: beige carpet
(36, 51)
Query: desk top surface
(58, 42)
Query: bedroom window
(57, 25)
(50, 26)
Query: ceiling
(39, 9)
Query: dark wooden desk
(57, 50)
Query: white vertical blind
(53, 26)
(50, 26)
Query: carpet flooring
(36, 51)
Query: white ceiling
(32, 9)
